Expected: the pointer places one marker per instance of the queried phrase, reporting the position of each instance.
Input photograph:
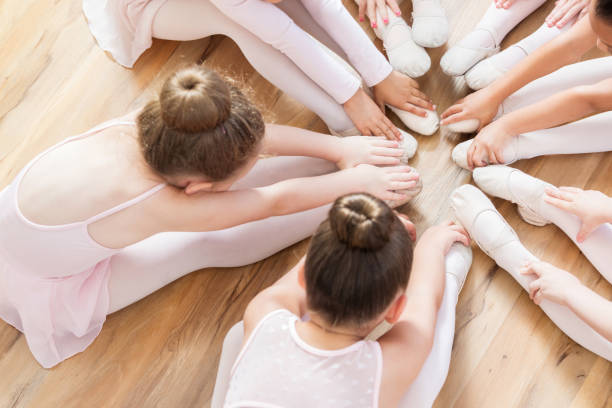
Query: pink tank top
(54, 279)
(276, 368)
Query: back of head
(358, 261)
(200, 125)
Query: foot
(403, 53)
(479, 217)
(476, 46)
(460, 152)
(471, 125)
(424, 125)
(515, 186)
(487, 71)
(409, 145)
(458, 262)
(409, 193)
(429, 23)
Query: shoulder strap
(126, 204)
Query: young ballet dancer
(546, 115)
(583, 315)
(283, 52)
(560, 19)
(380, 323)
(103, 219)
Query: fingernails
(374, 25)
(399, 13)
(361, 19)
(386, 21)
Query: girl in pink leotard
(85, 227)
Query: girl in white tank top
(355, 285)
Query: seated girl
(380, 318)
(563, 112)
(103, 219)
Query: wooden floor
(163, 351)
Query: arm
(562, 287)
(345, 152)
(285, 293)
(216, 211)
(563, 50)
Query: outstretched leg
(185, 20)
(498, 240)
(147, 266)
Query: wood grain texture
(163, 351)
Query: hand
(550, 282)
(481, 105)
(371, 7)
(407, 224)
(442, 237)
(593, 208)
(488, 145)
(368, 118)
(505, 4)
(374, 150)
(402, 92)
(383, 181)
(565, 11)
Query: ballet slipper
(458, 262)
(429, 23)
(515, 186)
(344, 133)
(470, 205)
(404, 55)
(459, 153)
(409, 193)
(409, 145)
(424, 125)
(483, 74)
(460, 58)
(472, 125)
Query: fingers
(394, 196)
(382, 142)
(418, 101)
(470, 154)
(403, 185)
(559, 203)
(362, 9)
(572, 12)
(371, 12)
(534, 287)
(393, 5)
(454, 118)
(410, 176)
(452, 110)
(386, 151)
(381, 8)
(400, 170)
(408, 107)
(585, 230)
(571, 189)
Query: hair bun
(361, 221)
(195, 100)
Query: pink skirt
(59, 317)
(122, 27)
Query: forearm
(564, 107)
(291, 141)
(593, 309)
(563, 50)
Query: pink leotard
(54, 279)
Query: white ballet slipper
(458, 262)
(493, 233)
(409, 145)
(404, 55)
(345, 133)
(409, 193)
(429, 23)
(424, 125)
(459, 59)
(515, 186)
(483, 74)
(464, 126)
(459, 153)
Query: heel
(531, 217)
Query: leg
(498, 240)
(425, 388)
(488, 70)
(528, 192)
(274, 27)
(272, 64)
(147, 266)
(232, 344)
(485, 39)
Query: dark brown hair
(603, 8)
(358, 260)
(200, 124)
